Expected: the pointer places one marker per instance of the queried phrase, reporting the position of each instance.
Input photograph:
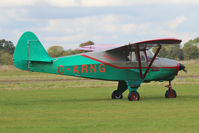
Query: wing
(144, 45)
(101, 47)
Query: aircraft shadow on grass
(93, 100)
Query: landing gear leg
(170, 93)
(133, 87)
(122, 87)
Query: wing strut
(151, 62)
(139, 61)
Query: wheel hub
(134, 97)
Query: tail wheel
(170, 94)
(134, 96)
(116, 95)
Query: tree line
(6, 52)
(57, 51)
(190, 50)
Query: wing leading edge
(143, 45)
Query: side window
(132, 56)
(142, 56)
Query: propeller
(182, 67)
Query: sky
(68, 23)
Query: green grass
(44, 103)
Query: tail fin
(29, 49)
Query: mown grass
(38, 103)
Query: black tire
(171, 94)
(116, 95)
(134, 96)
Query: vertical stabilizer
(28, 49)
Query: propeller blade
(184, 70)
(182, 67)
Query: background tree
(6, 52)
(171, 51)
(72, 52)
(194, 42)
(175, 52)
(55, 51)
(162, 53)
(86, 43)
(7, 46)
(5, 58)
(190, 51)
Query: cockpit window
(143, 56)
(133, 56)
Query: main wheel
(170, 94)
(116, 95)
(134, 96)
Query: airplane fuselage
(86, 65)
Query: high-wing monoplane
(130, 64)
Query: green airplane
(130, 64)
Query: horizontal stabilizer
(41, 60)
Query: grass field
(43, 103)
